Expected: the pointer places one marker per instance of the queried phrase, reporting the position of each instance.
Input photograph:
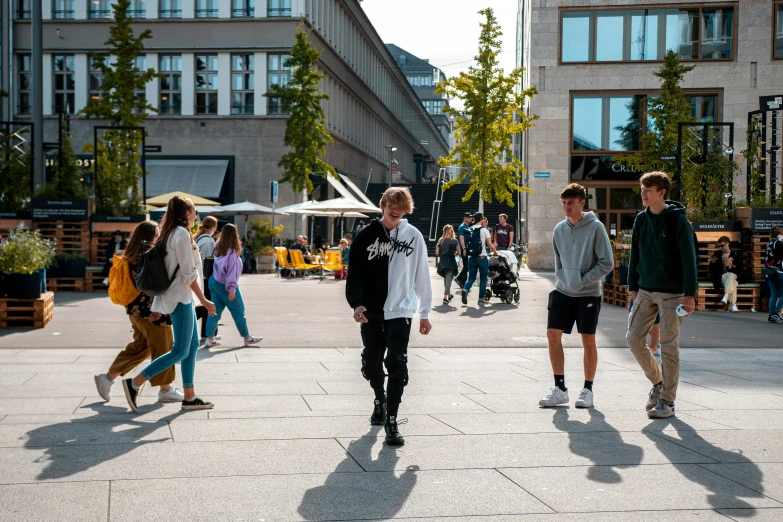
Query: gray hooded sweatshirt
(583, 256)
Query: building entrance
(615, 204)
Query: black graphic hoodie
(388, 271)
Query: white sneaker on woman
(171, 395)
(252, 339)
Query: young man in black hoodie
(389, 281)
(661, 277)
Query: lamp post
(390, 149)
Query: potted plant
(23, 257)
(72, 265)
(264, 235)
(266, 258)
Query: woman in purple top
(224, 286)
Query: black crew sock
(660, 384)
(560, 382)
(589, 385)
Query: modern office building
(593, 66)
(220, 137)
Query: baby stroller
(503, 278)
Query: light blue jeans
(480, 265)
(236, 307)
(185, 348)
(775, 293)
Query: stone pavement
(289, 438)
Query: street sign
(541, 174)
(153, 148)
(771, 103)
(668, 157)
(274, 191)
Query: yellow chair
(282, 261)
(297, 259)
(333, 260)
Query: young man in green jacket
(661, 277)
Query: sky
(444, 31)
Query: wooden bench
(616, 295)
(94, 279)
(72, 237)
(709, 300)
(753, 252)
(707, 245)
(27, 313)
(66, 284)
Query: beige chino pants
(729, 280)
(645, 307)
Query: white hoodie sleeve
(422, 282)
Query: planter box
(23, 286)
(265, 263)
(74, 269)
(27, 313)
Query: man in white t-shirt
(476, 249)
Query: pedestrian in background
(205, 242)
(224, 287)
(151, 331)
(503, 235)
(445, 252)
(480, 240)
(183, 265)
(773, 273)
(725, 267)
(463, 236)
(115, 246)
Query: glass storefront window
(778, 43)
(588, 123)
(609, 37)
(576, 37)
(596, 198)
(717, 33)
(682, 32)
(624, 123)
(624, 199)
(644, 36)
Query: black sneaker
(131, 393)
(393, 437)
(197, 404)
(378, 417)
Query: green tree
(665, 112)
(119, 152)
(305, 133)
(492, 115)
(68, 175)
(15, 186)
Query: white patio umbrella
(245, 208)
(343, 206)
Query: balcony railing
(206, 13)
(206, 109)
(245, 12)
(63, 14)
(281, 11)
(136, 13)
(247, 108)
(170, 13)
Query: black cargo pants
(387, 338)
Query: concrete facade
(371, 103)
(738, 83)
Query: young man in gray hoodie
(583, 258)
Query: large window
(62, 9)
(137, 9)
(141, 95)
(420, 81)
(277, 74)
(242, 84)
(630, 35)
(777, 44)
(25, 83)
(23, 9)
(243, 8)
(96, 80)
(614, 122)
(207, 84)
(64, 85)
(279, 8)
(170, 9)
(206, 8)
(100, 9)
(170, 84)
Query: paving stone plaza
(289, 438)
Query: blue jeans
(775, 293)
(236, 307)
(184, 349)
(480, 264)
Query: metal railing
(170, 13)
(279, 11)
(63, 14)
(136, 13)
(99, 13)
(206, 13)
(244, 12)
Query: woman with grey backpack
(446, 252)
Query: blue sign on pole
(274, 192)
(541, 174)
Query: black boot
(393, 437)
(378, 416)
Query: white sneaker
(556, 396)
(103, 384)
(106, 281)
(734, 309)
(252, 339)
(171, 395)
(585, 399)
(218, 337)
(212, 342)
(725, 299)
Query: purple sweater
(227, 270)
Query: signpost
(153, 148)
(274, 186)
(668, 157)
(541, 174)
(65, 209)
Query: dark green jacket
(659, 262)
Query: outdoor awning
(201, 177)
(348, 189)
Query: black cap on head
(118, 232)
(478, 216)
(468, 214)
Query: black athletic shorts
(565, 310)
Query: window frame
(29, 91)
(170, 74)
(280, 12)
(245, 72)
(137, 9)
(64, 91)
(63, 14)
(24, 9)
(278, 108)
(102, 10)
(246, 11)
(643, 114)
(777, 13)
(170, 12)
(644, 7)
(207, 108)
(210, 11)
(141, 63)
(93, 72)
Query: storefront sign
(65, 209)
(763, 219)
(541, 174)
(771, 103)
(729, 226)
(19, 214)
(668, 157)
(601, 168)
(153, 148)
(130, 218)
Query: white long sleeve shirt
(182, 251)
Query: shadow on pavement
(480, 311)
(608, 442)
(690, 439)
(76, 446)
(348, 495)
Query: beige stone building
(593, 63)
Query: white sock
(192, 398)
(135, 386)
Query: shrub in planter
(73, 265)
(23, 257)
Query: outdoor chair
(333, 262)
(297, 259)
(281, 253)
